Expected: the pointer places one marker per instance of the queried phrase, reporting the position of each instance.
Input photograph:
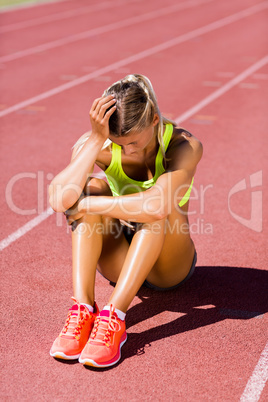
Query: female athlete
(133, 229)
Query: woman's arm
(66, 188)
(160, 200)
(148, 206)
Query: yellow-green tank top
(121, 184)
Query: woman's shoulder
(77, 147)
(104, 157)
(181, 138)
(183, 146)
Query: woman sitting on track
(135, 230)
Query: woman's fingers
(109, 113)
(100, 106)
(100, 113)
(125, 223)
(94, 104)
(103, 105)
(104, 109)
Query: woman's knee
(95, 186)
(87, 224)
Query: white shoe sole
(92, 363)
(61, 355)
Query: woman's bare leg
(157, 254)
(177, 254)
(86, 250)
(143, 252)
(96, 238)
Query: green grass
(4, 3)
(11, 2)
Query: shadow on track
(223, 292)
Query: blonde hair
(136, 107)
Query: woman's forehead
(131, 137)
(126, 139)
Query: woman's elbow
(55, 200)
(62, 198)
(55, 205)
(52, 198)
(160, 214)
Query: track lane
(258, 379)
(124, 50)
(72, 117)
(35, 11)
(14, 42)
(65, 39)
(215, 339)
(59, 16)
(193, 110)
(86, 57)
(234, 142)
(62, 29)
(180, 119)
(231, 337)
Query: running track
(208, 63)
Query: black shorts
(151, 286)
(129, 233)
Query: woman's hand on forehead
(100, 115)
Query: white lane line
(219, 92)
(25, 228)
(65, 14)
(101, 30)
(257, 380)
(34, 222)
(138, 56)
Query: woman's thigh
(177, 255)
(173, 264)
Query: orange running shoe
(75, 333)
(107, 337)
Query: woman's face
(136, 143)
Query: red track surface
(203, 341)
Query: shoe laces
(75, 321)
(104, 327)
